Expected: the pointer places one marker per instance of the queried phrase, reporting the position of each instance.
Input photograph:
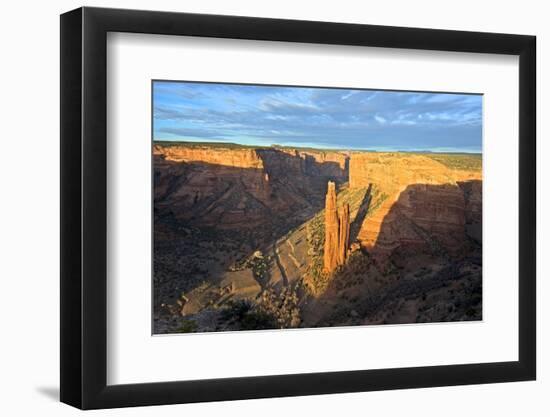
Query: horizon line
(326, 147)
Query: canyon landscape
(254, 236)
(265, 238)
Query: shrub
(187, 326)
(257, 320)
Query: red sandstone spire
(343, 241)
(336, 231)
(331, 229)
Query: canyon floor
(239, 238)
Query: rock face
(240, 158)
(271, 160)
(431, 216)
(309, 162)
(394, 171)
(472, 195)
(241, 188)
(336, 231)
(425, 201)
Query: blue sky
(316, 117)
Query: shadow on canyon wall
(225, 196)
(430, 239)
(430, 217)
(208, 216)
(362, 212)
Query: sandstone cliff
(272, 160)
(394, 171)
(237, 158)
(234, 187)
(421, 197)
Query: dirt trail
(292, 255)
(280, 265)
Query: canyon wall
(234, 187)
(237, 158)
(241, 188)
(472, 195)
(274, 160)
(430, 216)
(425, 201)
(394, 171)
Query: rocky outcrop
(336, 231)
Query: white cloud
(348, 95)
(380, 119)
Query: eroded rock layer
(424, 201)
(238, 187)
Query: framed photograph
(257, 208)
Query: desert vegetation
(462, 161)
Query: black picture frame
(84, 207)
